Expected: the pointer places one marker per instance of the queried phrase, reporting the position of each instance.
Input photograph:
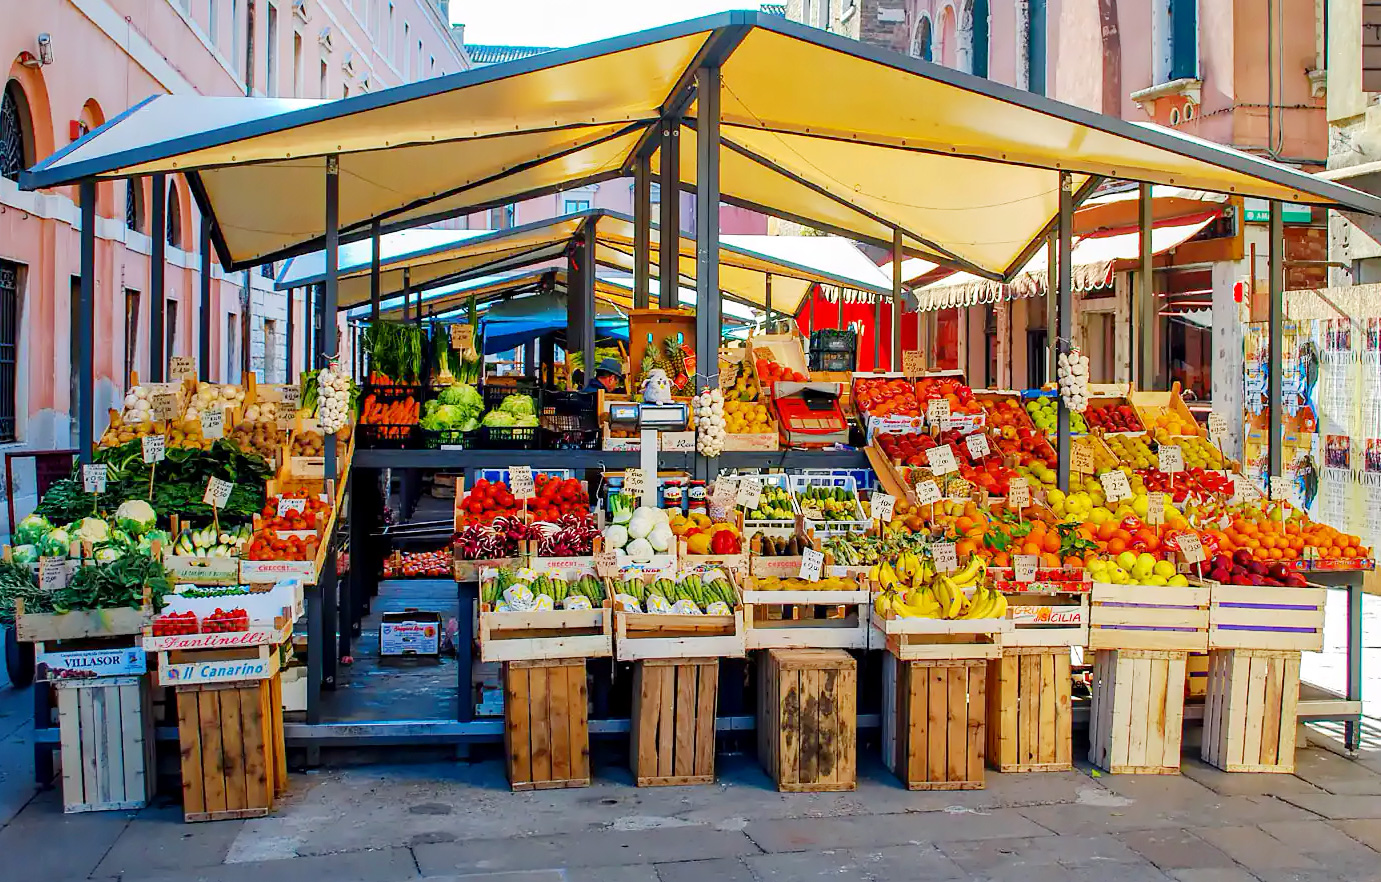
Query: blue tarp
(511, 323)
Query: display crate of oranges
(1165, 411)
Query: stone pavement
(447, 821)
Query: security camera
(45, 49)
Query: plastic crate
(508, 437)
(390, 394)
(372, 436)
(858, 523)
(493, 394)
(833, 340)
(569, 439)
(450, 439)
(569, 420)
(753, 525)
(824, 360)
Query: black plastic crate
(833, 340)
(390, 394)
(569, 411)
(494, 393)
(569, 439)
(454, 439)
(832, 361)
(371, 436)
(508, 437)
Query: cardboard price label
(812, 562)
(1171, 458)
(520, 482)
(1217, 428)
(882, 506)
(1243, 490)
(635, 482)
(728, 376)
(164, 406)
(749, 493)
(94, 477)
(217, 493)
(52, 573)
(1190, 547)
(942, 460)
(1025, 566)
(607, 564)
(462, 337)
(913, 362)
(1019, 493)
(181, 367)
(155, 448)
(213, 423)
(937, 412)
(1155, 508)
(945, 555)
(1081, 459)
(1115, 486)
(725, 492)
(291, 398)
(978, 445)
(1280, 488)
(927, 493)
(286, 505)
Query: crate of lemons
(749, 425)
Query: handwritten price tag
(1243, 490)
(213, 423)
(1025, 566)
(155, 448)
(291, 399)
(882, 505)
(725, 492)
(634, 480)
(94, 477)
(811, 563)
(52, 573)
(1280, 488)
(462, 337)
(913, 362)
(286, 505)
(942, 460)
(946, 556)
(1171, 458)
(927, 493)
(1155, 508)
(520, 482)
(1115, 486)
(217, 493)
(181, 367)
(978, 445)
(164, 406)
(1190, 547)
(749, 493)
(1217, 428)
(937, 412)
(1018, 493)
(607, 564)
(1081, 460)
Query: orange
(1051, 542)
(965, 548)
(1116, 546)
(1107, 530)
(1030, 547)
(1050, 560)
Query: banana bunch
(930, 595)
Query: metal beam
(291, 296)
(1048, 231)
(204, 324)
(587, 300)
(642, 232)
(895, 363)
(1052, 299)
(84, 360)
(158, 297)
(767, 298)
(1145, 311)
(374, 274)
(669, 262)
(1066, 300)
(575, 322)
(1277, 338)
(708, 303)
(330, 289)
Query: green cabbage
(525, 420)
(430, 407)
(497, 418)
(135, 516)
(465, 398)
(519, 405)
(31, 529)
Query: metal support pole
(669, 266)
(374, 274)
(575, 322)
(1277, 331)
(587, 301)
(839, 322)
(530, 358)
(642, 231)
(204, 344)
(329, 587)
(767, 299)
(407, 293)
(291, 375)
(708, 298)
(158, 298)
(313, 325)
(1052, 297)
(877, 331)
(1145, 311)
(83, 360)
(895, 363)
(1064, 281)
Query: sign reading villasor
(85, 664)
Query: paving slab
(42, 843)
(1175, 849)
(1244, 783)
(1325, 843)
(1256, 849)
(158, 839)
(630, 873)
(374, 865)
(1336, 774)
(594, 849)
(518, 876)
(811, 834)
(1367, 831)
(1337, 807)
(1213, 874)
(716, 869)
(897, 864)
(983, 856)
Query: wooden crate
(791, 619)
(673, 721)
(808, 719)
(1030, 725)
(1196, 675)
(233, 758)
(1250, 710)
(939, 639)
(1047, 620)
(1137, 715)
(640, 636)
(546, 723)
(545, 634)
(45, 627)
(934, 713)
(1266, 617)
(1148, 617)
(106, 731)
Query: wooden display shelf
(639, 636)
(791, 619)
(1149, 617)
(673, 721)
(546, 724)
(1137, 715)
(1250, 710)
(545, 634)
(807, 719)
(1030, 723)
(934, 719)
(78, 625)
(106, 730)
(1047, 620)
(939, 639)
(1266, 617)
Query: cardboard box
(411, 632)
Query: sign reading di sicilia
(1371, 46)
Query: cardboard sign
(728, 376)
(462, 337)
(749, 493)
(1243, 490)
(725, 492)
(1115, 486)
(811, 562)
(291, 398)
(1155, 508)
(1081, 459)
(942, 460)
(927, 493)
(937, 412)
(164, 406)
(946, 556)
(676, 442)
(94, 477)
(1019, 492)
(913, 362)
(213, 422)
(1217, 428)
(1280, 488)
(520, 482)
(1171, 458)
(607, 564)
(155, 448)
(217, 492)
(52, 573)
(634, 482)
(181, 367)
(286, 504)
(978, 445)
(1190, 547)
(882, 505)
(1025, 566)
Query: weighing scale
(650, 420)
(811, 418)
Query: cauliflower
(135, 516)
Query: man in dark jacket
(608, 376)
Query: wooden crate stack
(546, 723)
(1256, 634)
(234, 763)
(673, 721)
(807, 719)
(1030, 722)
(934, 715)
(791, 620)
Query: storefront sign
(85, 664)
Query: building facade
(73, 64)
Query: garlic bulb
(333, 398)
(709, 422)
(1072, 371)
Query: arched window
(921, 46)
(134, 205)
(16, 132)
(174, 231)
(973, 36)
(945, 51)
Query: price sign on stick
(812, 562)
(1081, 459)
(520, 482)
(1025, 565)
(913, 362)
(937, 412)
(1280, 488)
(978, 445)
(1018, 493)
(155, 448)
(462, 337)
(52, 573)
(942, 460)
(1171, 458)
(94, 477)
(749, 493)
(635, 482)
(1190, 547)
(1115, 486)
(927, 493)
(882, 506)
(182, 368)
(213, 423)
(607, 564)
(1217, 428)
(1243, 490)
(1155, 508)
(286, 505)
(164, 406)
(291, 399)
(946, 556)
(725, 492)
(217, 493)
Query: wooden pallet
(808, 720)
(233, 758)
(639, 636)
(1047, 620)
(673, 721)
(1030, 724)
(933, 721)
(939, 639)
(106, 730)
(792, 619)
(1266, 617)
(546, 723)
(1148, 617)
(1137, 715)
(1250, 710)
(545, 634)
